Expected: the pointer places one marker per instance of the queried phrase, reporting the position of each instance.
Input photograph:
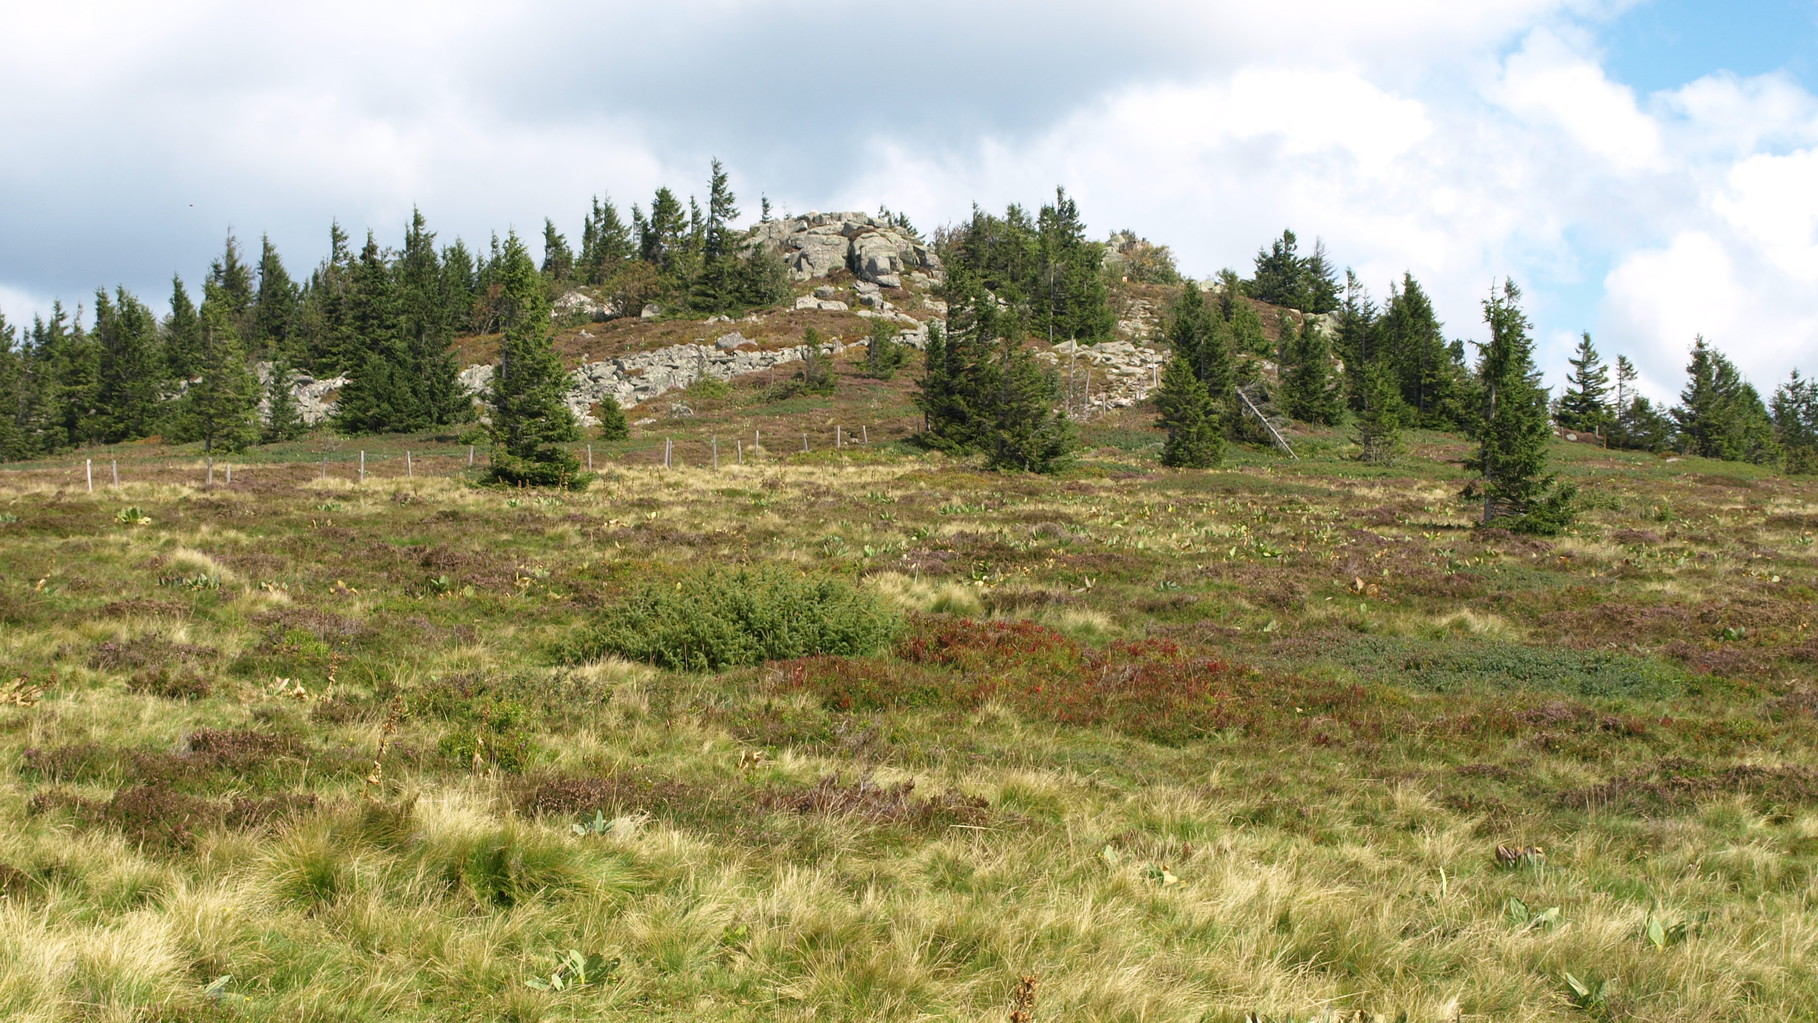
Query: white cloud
(1548, 83)
(1460, 141)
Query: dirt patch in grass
(157, 817)
(868, 801)
(1678, 784)
(148, 652)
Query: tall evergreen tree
(529, 415)
(1193, 420)
(1721, 415)
(1309, 391)
(718, 286)
(661, 237)
(71, 363)
(1357, 340)
(182, 335)
(283, 420)
(1379, 415)
(1795, 410)
(427, 300)
(558, 258)
(380, 396)
(330, 342)
(1583, 406)
(1205, 341)
(1024, 430)
(15, 440)
(220, 408)
(1070, 298)
(235, 290)
(276, 313)
(1323, 290)
(1280, 277)
(606, 242)
(129, 373)
(1513, 433)
(1428, 370)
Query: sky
(1646, 170)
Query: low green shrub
(716, 618)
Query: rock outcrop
(874, 249)
(1115, 374)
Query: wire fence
(360, 465)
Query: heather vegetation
(1328, 681)
(868, 733)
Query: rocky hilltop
(875, 250)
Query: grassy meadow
(1178, 746)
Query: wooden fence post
(88, 465)
(116, 474)
(362, 467)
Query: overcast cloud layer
(1460, 141)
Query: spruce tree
(330, 343)
(276, 312)
(1246, 331)
(380, 393)
(1072, 302)
(1355, 340)
(1205, 341)
(71, 368)
(816, 376)
(1379, 417)
(1702, 415)
(1193, 420)
(234, 288)
(558, 258)
(1795, 410)
(606, 242)
(1583, 406)
(182, 335)
(883, 353)
(1428, 369)
(718, 286)
(128, 395)
(958, 378)
(661, 236)
(1721, 415)
(15, 441)
(220, 408)
(1280, 274)
(1322, 287)
(613, 425)
(529, 415)
(1642, 427)
(1309, 391)
(1025, 431)
(283, 419)
(1513, 433)
(427, 300)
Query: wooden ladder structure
(1268, 422)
